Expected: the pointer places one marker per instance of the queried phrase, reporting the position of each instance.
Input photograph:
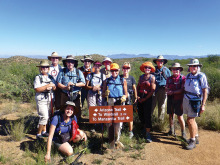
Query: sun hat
(114, 66)
(148, 63)
(106, 59)
(126, 65)
(97, 63)
(70, 57)
(194, 61)
(176, 65)
(54, 54)
(160, 57)
(87, 57)
(43, 63)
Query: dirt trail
(163, 150)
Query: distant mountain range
(120, 56)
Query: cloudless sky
(175, 27)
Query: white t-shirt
(54, 71)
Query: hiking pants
(43, 109)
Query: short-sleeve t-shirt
(96, 79)
(192, 84)
(64, 127)
(130, 82)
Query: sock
(193, 139)
(197, 135)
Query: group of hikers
(66, 89)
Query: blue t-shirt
(159, 76)
(63, 126)
(65, 76)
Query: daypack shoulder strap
(164, 72)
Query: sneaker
(39, 137)
(131, 134)
(148, 137)
(171, 133)
(191, 145)
(197, 139)
(45, 134)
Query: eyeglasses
(87, 61)
(126, 68)
(70, 61)
(147, 67)
(44, 67)
(193, 66)
(54, 57)
(114, 70)
(176, 69)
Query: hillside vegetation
(17, 74)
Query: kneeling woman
(62, 127)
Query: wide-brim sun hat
(54, 54)
(106, 59)
(160, 57)
(72, 104)
(43, 63)
(87, 57)
(126, 65)
(148, 63)
(176, 65)
(97, 63)
(70, 57)
(194, 61)
(114, 66)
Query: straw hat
(114, 66)
(194, 61)
(87, 57)
(176, 65)
(106, 59)
(43, 63)
(54, 54)
(148, 63)
(160, 58)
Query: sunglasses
(87, 61)
(70, 61)
(193, 66)
(147, 67)
(175, 69)
(44, 67)
(160, 60)
(54, 57)
(114, 70)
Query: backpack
(163, 72)
(77, 74)
(49, 76)
(180, 81)
(92, 75)
(121, 80)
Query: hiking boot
(131, 134)
(171, 133)
(197, 139)
(39, 137)
(45, 134)
(148, 137)
(191, 145)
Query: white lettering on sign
(100, 114)
(106, 119)
(105, 110)
(110, 114)
(117, 109)
(94, 119)
(121, 118)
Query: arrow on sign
(94, 114)
(96, 110)
(127, 117)
(124, 109)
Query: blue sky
(175, 27)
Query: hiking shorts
(187, 109)
(176, 105)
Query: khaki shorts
(187, 109)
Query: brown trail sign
(111, 114)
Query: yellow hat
(114, 66)
(148, 63)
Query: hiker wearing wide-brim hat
(44, 84)
(71, 81)
(63, 131)
(54, 55)
(160, 58)
(196, 93)
(87, 58)
(175, 90)
(106, 70)
(55, 68)
(176, 66)
(145, 89)
(161, 74)
(86, 69)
